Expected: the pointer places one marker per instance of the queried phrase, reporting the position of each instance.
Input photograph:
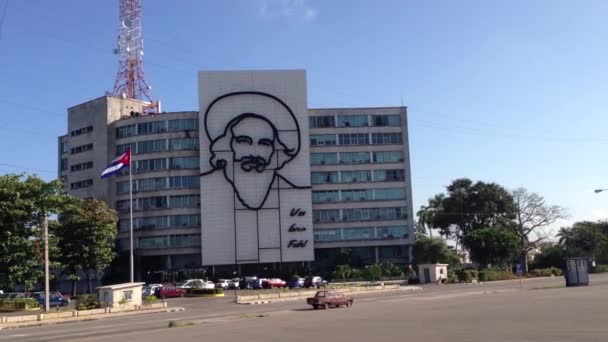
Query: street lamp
(234, 274)
(597, 191)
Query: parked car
(314, 281)
(196, 283)
(296, 283)
(55, 299)
(223, 283)
(150, 289)
(327, 299)
(248, 283)
(169, 292)
(234, 283)
(274, 283)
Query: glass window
(324, 158)
(149, 146)
(388, 157)
(389, 175)
(391, 232)
(126, 131)
(147, 165)
(354, 157)
(152, 242)
(64, 164)
(374, 214)
(82, 148)
(353, 139)
(386, 138)
(184, 182)
(82, 184)
(364, 233)
(386, 120)
(389, 194)
(352, 120)
(151, 184)
(183, 241)
(81, 131)
(393, 252)
(120, 149)
(146, 203)
(184, 201)
(183, 144)
(152, 127)
(322, 139)
(356, 195)
(185, 221)
(322, 121)
(327, 234)
(64, 148)
(122, 187)
(325, 196)
(324, 177)
(360, 176)
(183, 125)
(185, 162)
(122, 205)
(326, 215)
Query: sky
(512, 92)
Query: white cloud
(288, 8)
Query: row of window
(380, 194)
(80, 131)
(327, 121)
(159, 183)
(79, 167)
(359, 176)
(361, 233)
(81, 184)
(359, 214)
(169, 241)
(334, 158)
(159, 164)
(161, 222)
(355, 139)
(157, 127)
(82, 148)
(161, 202)
(161, 145)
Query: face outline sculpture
(251, 150)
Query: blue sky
(513, 92)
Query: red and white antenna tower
(130, 81)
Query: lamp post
(234, 273)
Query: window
(151, 127)
(356, 195)
(360, 176)
(157, 202)
(152, 242)
(354, 157)
(352, 120)
(64, 164)
(389, 194)
(386, 120)
(391, 232)
(184, 201)
(120, 149)
(184, 163)
(322, 139)
(388, 157)
(353, 139)
(151, 184)
(122, 187)
(126, 131)
(393, 252)
(183, 125)
(185, 221)
(183, 144)
(325, 196)
(324, 158)
(83, 148)
(373, 214)
(63, 147)
(82, 184)
(122, 205)
(151, 146)
(322, 121)
(324, 235)
(127, 295)
(147, 165)
(81, 166)
(386, 138)
(184, 182)
(184, 241)
(389, 175)
(364, 233)
(80, 131)
(324, 177)
(327, 215)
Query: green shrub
(87, 302)
(556, 271)
(494, 275)
(150, 299)
(373, 272)
(204, 292)
(467, 276)
(541, 272)
(599, 269)
(17, 304)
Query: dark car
(327, 299)
(169, 292)
(55, 299)
(314, 281)
(296, 283)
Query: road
(538, 310)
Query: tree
(431, 251)
(86, 236)
(25, 201)
(494, 246)
(343, 272)
(373, 272)
(550, 257)
(585, 239)
(426, 216)
(533, 216)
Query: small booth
(576, 272)
(433, 273)
(114, 296)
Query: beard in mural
(251, 149)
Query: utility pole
(47, 297)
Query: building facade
(253, 178)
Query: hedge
(17, 304)
(545, 272)
(87, 302)
(599, 269)
(467, 276)
(204, 292)
(493, 275)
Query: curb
(255, 303)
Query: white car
(195, 283)
(150, 289)
(223, 283)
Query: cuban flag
(117, 164)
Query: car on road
(196, 283)
(327, 299)
(169, 292)
(296, 283)
(274, 283)
(150, 289)
(55, 299)
(234, 283)
(223, 283)
(314, 281)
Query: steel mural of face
(251, 148)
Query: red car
(274, 283)
(169, 292)
(327, 299)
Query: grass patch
(177, 324)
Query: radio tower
(130, 81)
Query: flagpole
(131, 216)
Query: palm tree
(565, 235)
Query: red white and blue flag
(117, 164)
